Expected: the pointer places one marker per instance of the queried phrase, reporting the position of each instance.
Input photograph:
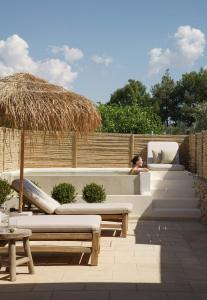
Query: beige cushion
(168, 157)
(157, 156)
(54, 223)
(165, 146)
(36, 196)
(165, 167)
(93, 208)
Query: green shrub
(94, 193)
(5, 190)
(64, 193)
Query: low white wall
(116, 181)
(119, 186)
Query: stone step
(159, 213)
(179, 192)
(176, 184)
(172, 175)
(175, 203)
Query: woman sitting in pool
(137, 164)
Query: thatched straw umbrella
(31, 103)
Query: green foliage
(129, 119)
(5, 190)
(94, 193)
(163, 102)
(131, 94)
(176, 104)
(64, 193)
(200, 116)
(190, 90)
(179, 128)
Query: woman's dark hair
(135, 159)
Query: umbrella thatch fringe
(31, 103)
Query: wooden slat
(51, 236)
(50, 248)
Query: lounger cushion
(36, 196)
(164, 146)
(165, 167)
(94, 208)
(54, 223)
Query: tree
(200, 116)
(129, 119)
(163, 101)
(190, 90)
(131, 94)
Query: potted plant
(64, 193)
(5, 191)
(94, 193)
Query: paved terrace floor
(158, 260)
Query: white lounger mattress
(55, 223)
(94, 208)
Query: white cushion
(171, 167)
(36, 196)
(54, 223)
(165, 146)
(93, 208)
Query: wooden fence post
(74, 150)
(3, 150)
(202, 147)
(131, 148)
(204, 153)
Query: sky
(93, 46)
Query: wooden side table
(12, 261)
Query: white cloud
(15, 57)
(189, 46)
(103, 60)
(70, 54)
(57, 71)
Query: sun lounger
(116, 212)
(63, 228)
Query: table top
(17, 233)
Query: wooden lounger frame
(122, 220)
(93, 236)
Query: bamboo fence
(71, 150)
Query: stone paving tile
(199, 286)
(138, 295)
(10, 287)
(59, 286)
(184, 296)
(165, 286)
(28, 295)
(111, 286)
(83, 295)
(202, 296)
(157, 260)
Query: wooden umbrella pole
(21, 171)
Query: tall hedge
(129, 119)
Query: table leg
(12, 259)
(28, 253)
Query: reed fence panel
(9, 143)
(47, 150)
(95, 150)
